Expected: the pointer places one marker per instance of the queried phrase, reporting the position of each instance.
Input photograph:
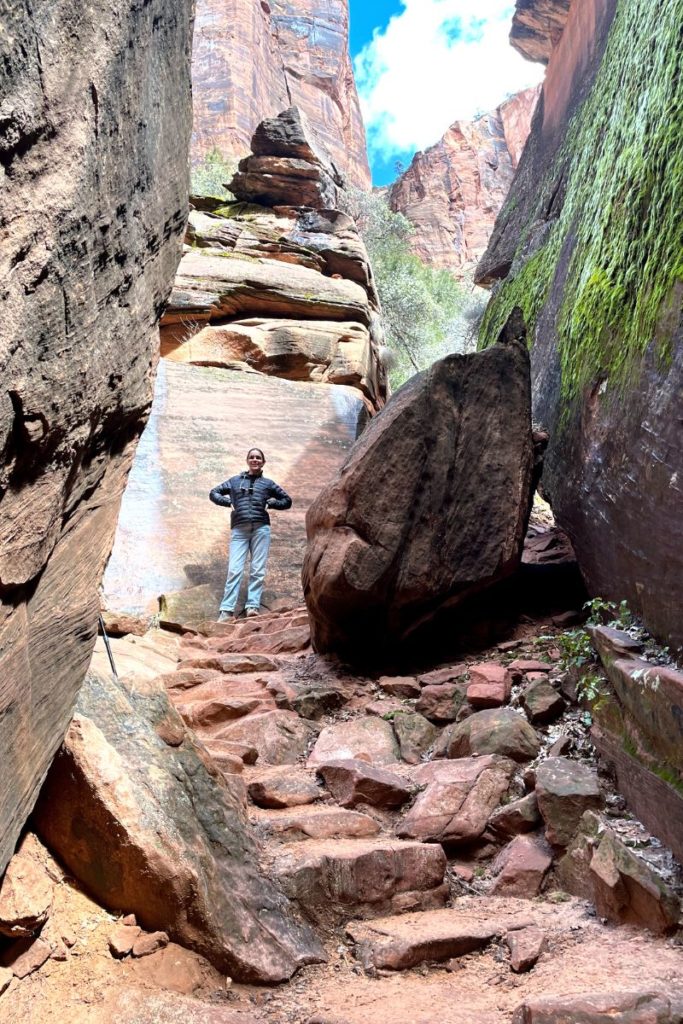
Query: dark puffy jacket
(249, 497)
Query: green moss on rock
(623, 165)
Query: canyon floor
(339, 863)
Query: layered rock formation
(96, 120)
(638, 732)
(271, 338)
(588, 246)
(252, 60)
(453, 191)
(429, 509)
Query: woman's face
(254, 461)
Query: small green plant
(609, 613)
(559, 896)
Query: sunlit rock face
(271, 338)
(453, 191)
(593, 256)
(251, 60)
(93, 151)
(204, 420)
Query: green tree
(427, 314)
(212, 176)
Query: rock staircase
(418, 837)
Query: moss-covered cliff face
(590, 244)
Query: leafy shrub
(427, 314)
(211, 176)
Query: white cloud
(436, 62)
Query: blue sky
(422, 64)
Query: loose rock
(26, 891)
(602, 1008)
(525, 945)
(565, 789)
(542, 702)
(415, 735)
(516, 817)
(352, 782)
(122, 939)
(146, 944)
(490, 685)
(521, 867)
(498, 731)
(367, 739)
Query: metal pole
(109, 652)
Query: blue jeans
(246, 539)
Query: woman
(249, 494)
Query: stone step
(331, 822)
(405, 940)
(283, 787)
(210, 715)
(331, 879)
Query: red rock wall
(91, 223)
(453, 191)
(252, 60)
(613, 467)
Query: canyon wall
(589, 245)
(93, 175)
(453, 191)
(252, 60)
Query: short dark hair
(257, 450)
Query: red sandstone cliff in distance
(537, 26)
(253, 59)
(452, 192)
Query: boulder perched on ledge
(288, 166)
(429, 509)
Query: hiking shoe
(226, 617)
(251, 612)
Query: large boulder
(458, 799)
(431, 506)
(148, 828)
(95, 130)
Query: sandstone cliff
(589, 245)
(453, 191)
(95, 128)
(537, 26)
(251, 60)
(271, 338)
